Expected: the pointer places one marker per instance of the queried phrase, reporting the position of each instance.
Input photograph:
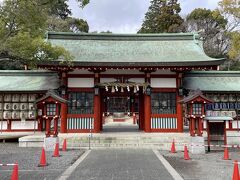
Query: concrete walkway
(121, 164)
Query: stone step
(162, 141)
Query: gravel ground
(28, 160)
(207, 166)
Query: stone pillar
(97, 105)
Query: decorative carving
(32, 97)
(23, 106)
(15, 106)
(7, 97)
(23, 98)
(7, 106)
(15, 115)
(232, 98)
(7, 115)
(15, 98)
(31, 114)
(24, 114)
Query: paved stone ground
(203, 167)
(28, 159)
(121, 164)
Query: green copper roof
(175, 49)
(212, 81)
(35, 80)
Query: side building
(221, 121)
(19, 91)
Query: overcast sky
(125, 16)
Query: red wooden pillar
(147, 113)
(48, 127)
(179, 105)
(101, 115)
(193, 121)
(179, 115)
(97, 105)
(147, 106)
(225, 133)
(9, 124)
(55, 120)
(63, 128)
(141, 111)
(40, 125)
(96, 114)
(200, 128)
(208, 135)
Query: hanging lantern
(113, 90)
(122, 90)
(137, 88)
(106, 88)
(116, 88)
(128, 88)
(134, 89)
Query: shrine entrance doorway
(121, 112)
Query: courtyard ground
(209, 166)
(28, 160)
(116, 164)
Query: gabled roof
(170, 49)
(193, 95)
(30, 80)
(212, 81)
(52, 94)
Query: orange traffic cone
(15, 172)
(173, 149)
(56, 151)
(226, 154)
(64, 147)
(43, 161)
(235, 171)
(186, 155)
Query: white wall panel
(80, 71)
(23, 125)
(163, 82)
(137, 80)
(125, 71)
(80, 82)
(205, 124)
(163, 72)
(106, 80)
(227, 124)
(235, 124)
(3, 125)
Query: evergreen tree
(162, 17)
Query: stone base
(50, 142)
(197, 145)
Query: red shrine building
(140, 78)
